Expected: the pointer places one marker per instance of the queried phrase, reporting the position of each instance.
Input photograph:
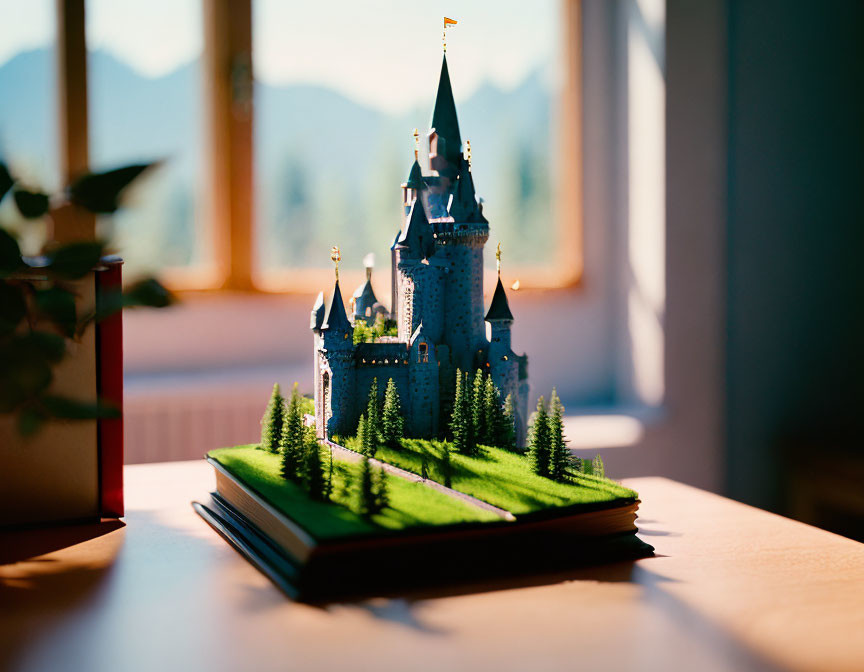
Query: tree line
(283, 432)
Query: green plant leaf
(6, 180)
(58, 305)
(25, 372)
(10, 254)
(148, 292)
(30, 421)
(75, 260)
(74, 409)
(31, 204)
(13, 307)
(100, 192)
(52, 345)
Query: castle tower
(507, 369)
(460, 235)
(334, 368)
(419, 278)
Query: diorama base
(435, 567)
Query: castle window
(423, 353)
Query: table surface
(730, 588)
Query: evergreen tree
(493, 414)
(293, 436)
(346, 489)
(577, 464)
(392, 422)
(597, 467)
(539, 443)
(478, 417)
(272, 422)
(559, 455)
(313, 472)
(459, 421)
(373, 415)
(507, 432)
(588, 467)
(364, 436)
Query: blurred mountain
(321, 157)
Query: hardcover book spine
(109, 353)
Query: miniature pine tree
(539, 444)
(345, 489)
(576, 464)
(392, 422)
(597, 467)
(313, 472)
(492, 413)
(478, 417)
(559, 455)
(291, 443)
(364, 436)
(373, 415)
(587, 467)
(272, 422)
(507, 432)
(459, 423)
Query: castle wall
(425, 400)
(464, 329)
(421, 298)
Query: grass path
(352, 456)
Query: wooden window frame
(229, 155)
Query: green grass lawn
(502, 478)
(411, 504)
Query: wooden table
(731, 588)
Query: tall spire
(445, 125)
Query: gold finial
(335, 257)
(447, 22)
(498, 258)
(468, 153)
(416, 145)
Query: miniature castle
(436, 303)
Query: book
(314, 567)
(72, 470)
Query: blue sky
(381, 52)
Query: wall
(795, 375)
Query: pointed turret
(445, 143)
(336, 319)
(499, 309)
(464, 206)
(417, 239)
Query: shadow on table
(36, 588)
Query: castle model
(436, 303)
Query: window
(423, 353)
(28, 127)
(338, 95)
(145, 99)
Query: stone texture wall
(464, 328)
(423, 381)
